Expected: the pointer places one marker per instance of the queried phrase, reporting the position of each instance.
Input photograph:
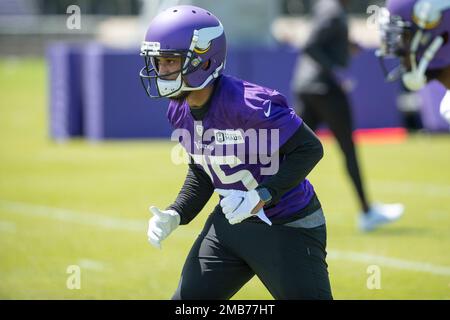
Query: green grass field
(85, 204)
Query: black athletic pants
(333, 109)
(289, 261)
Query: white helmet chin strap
(214, 75)
(170, 88)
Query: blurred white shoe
(380, 214)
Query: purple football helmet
(417, 32)
(191, 33)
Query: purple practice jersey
(237, 141)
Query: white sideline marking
(7, 226)
(86, 218)
(134, 225)
(388, 262)
(410, 187)
(91, 264)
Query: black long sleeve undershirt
(300, 154)
(194, 194)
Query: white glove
(161, 225)
(237, 205)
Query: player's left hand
(238, 205)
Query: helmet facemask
(158, 85)
(394, 48)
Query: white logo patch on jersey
(199, 129)
(228, 137)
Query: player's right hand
(161, 225)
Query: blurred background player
(321, 98)
(409, 105)
(184, 51)
(417, 32)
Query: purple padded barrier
(432, 95)
(111, 104)
(116, 106)
(93, 94)
(237, 63)
(373, 100)
(273, 68)
(65, 97)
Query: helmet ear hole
(206, 65)
(445, 37)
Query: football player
(322, 99)
(417, 32)
(269, 221)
